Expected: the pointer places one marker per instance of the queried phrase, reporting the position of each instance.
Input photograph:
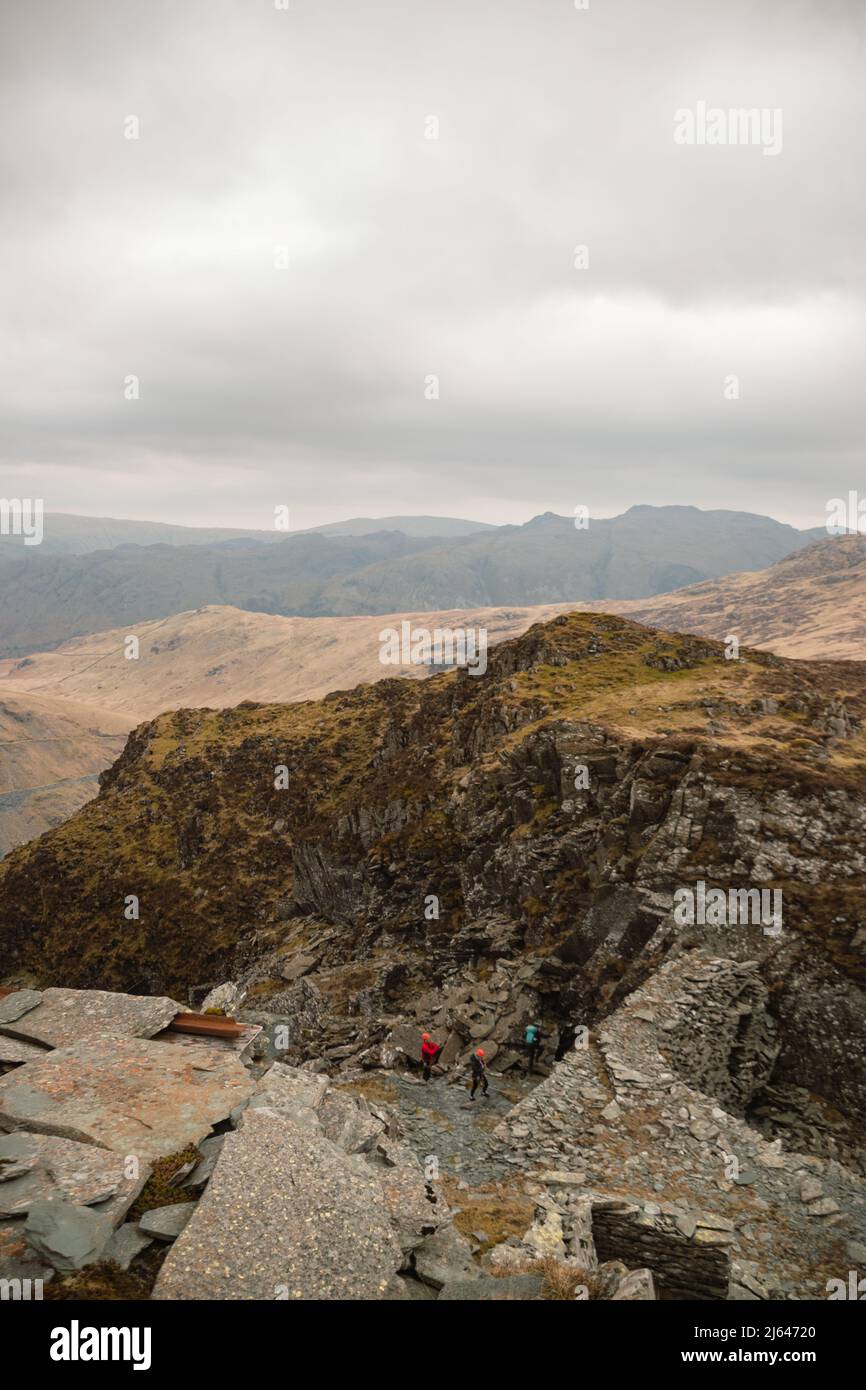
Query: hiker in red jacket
(429, 1052)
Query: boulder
(444, 1257)
(545, 1236)
(402, 1041)
(226, 997)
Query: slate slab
(65, 1016)
(132, 1095)
(24, 1270)
(166, 1223)
(346, 1120)
(67, 1236)
(286, 1215)
(61, 1169)
(125, 1244)
(240, 1044)
(297, 1087)
(291, 1092)
(13, 1051)
(210, 1151)
(18, 1154)
(17, 1003)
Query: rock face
(285, 1216)
(132, 1095)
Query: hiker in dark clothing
(429, 1052)
(567, 1038)
(532, 1043)
(479, 1073)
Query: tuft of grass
(157, 1191)
(107, 1282)
(561, 1280)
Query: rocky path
(443, 1126)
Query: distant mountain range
(66, 534)
(49, 598)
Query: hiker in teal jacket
(532, 1042)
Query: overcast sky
(411, 257)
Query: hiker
(567, 1039)
(479, 1073)
(429, 1052)
(532, 1043)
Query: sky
(338, 263)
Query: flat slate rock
(125, 1244)
(65, 1016)
(132, 1095)
(17, 1003)
(209, 1149)
(240, 1044)
(67, 1236)
(286, 1215)
(37, 1273)
(166, 1223)
(14, 1051)
(62, 1169)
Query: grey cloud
(409, 257)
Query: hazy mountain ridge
(68, 534)
(645, 551)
